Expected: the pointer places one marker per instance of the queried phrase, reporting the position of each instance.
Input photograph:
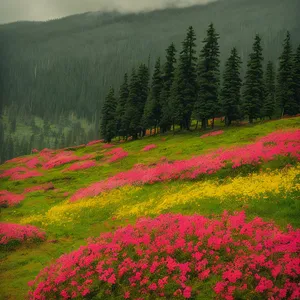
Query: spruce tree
(152, 110)
(231, 90)
(108, 123)
(131, 118)
(121, 106)
(297, 76)
(269, 102)
(253, 93)
(207, 104)
(143, 93)
(285, 82)
(187, 77)
(168, 78)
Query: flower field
(192, 216)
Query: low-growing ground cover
(266, 189)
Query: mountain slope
(52, 68)
(183, 174)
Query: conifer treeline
(189, 87)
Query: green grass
(22, 264)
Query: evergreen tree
(297, 76)
(285, 81)
(187, 77)
(207, 104)
(254, 85)
(168, 78)
(269, 103)
(152, 111)
(131, 119)
(120, 111)
(143, 93)
(108, 124)
(231, 90)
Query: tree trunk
(203, 123)
(197, 125)
(213, 123)
(173, 127)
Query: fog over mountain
(41, 10)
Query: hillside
(201, 191)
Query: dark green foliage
(152, 110)
(269, 102)
(122, 100)
(207, 105)
(231, 91)
(186, 81)
(108, 124)
(168, 79)
(297, 76)
(254, 83)
(285, 82)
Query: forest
(55, 75)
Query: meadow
(240, 184)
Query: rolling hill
(193, 216)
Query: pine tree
(143, 93)
(297, 76)
(231, 90)
(207, 104)
(285, 81)
(121, 106)
(187, 77)
(131, 118)
(108, 124)
(152, 110)
(254, 85)
(168, 78)
(269, 103)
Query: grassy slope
(20, 266)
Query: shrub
(16, 234)
(214, 133)
(149, 147)
(174, 256)
(8, 199)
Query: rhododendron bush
(149, 147)
(265, 149)
(8, 199)
(81, 165)
(174, 256)
(214, 133)
(116, 154)
(19, 233)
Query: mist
(42, 10)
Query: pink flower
(149, 147)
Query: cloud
(40, 10)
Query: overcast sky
(40, 10)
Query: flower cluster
(82, 165)
(94, 142)
(60, 159)
(19, 233)
(214, 133)
(116, 154)
(20, 173)
(265, 149)
(42, 187)
(107, 146)
(173, 256)
(33, 163)
(149, 147)
(10, 199)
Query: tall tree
(168, 79)
(285, 81)
(122, 100)
(231, 90)
(269, 103)
(131, 118)
(297, 76)
(108, 124)
(254, 82)
(207, 104)
(187, 77)
(152, 110)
